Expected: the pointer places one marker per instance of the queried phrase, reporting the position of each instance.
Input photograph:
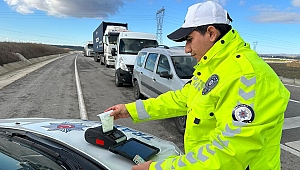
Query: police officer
(234, 103)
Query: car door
(147, 75)
(162, 84)
(138, 67)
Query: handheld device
(132, 147)
(97, 137)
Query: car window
(17, 156)
(133, 46)
(140, 58)
(150, 61)
(163, 64)
(184, 66)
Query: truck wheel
(117, 82)
(101, 60)
(96, 59)
(105, 63)
(136, 91)
(180, 124)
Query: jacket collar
(219, 46)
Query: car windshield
(133, 46)
(24, 150)
(16, 156)
(113, 39)
(184, 66)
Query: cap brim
(180, 34)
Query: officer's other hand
(143, 166)
(119, 111)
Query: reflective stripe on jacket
(235, 106)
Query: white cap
(200, 14)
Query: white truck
(104, 39)
(110, 41)
(88, 49)
(128, 46)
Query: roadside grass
(287, 70)
(28, 50)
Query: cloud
(242, 2)
(73, 8)
(277, 17)
(269, 14)
(296, 3)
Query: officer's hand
(119, 111)
(144, 166)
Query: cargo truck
(104, 39)
(88, 49)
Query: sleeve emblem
(210, 84)
(243, 113)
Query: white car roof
(171, 51)
(71, 132)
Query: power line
(254, 45)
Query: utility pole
(254, 45)
(159, 17)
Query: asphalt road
(51, 91)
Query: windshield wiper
(61, 156)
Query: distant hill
(285, 56)
(76, 48)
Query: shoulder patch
(210, 84)
(243, 113)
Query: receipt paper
(107, 121)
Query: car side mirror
(113, 52)
(165, 74)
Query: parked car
(44, 143)
(160, 69)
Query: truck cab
(88, 49)
(104, 39)
(128, 46)
(110, 39)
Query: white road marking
(294, 144)
(83, 113)
(292, 147)
(291, 122)
(291, 85)
(295, 101)
(291, 150)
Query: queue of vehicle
(115, 45)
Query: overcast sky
(272, 24)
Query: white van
(128, 46)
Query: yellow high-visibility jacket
(235, 106)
